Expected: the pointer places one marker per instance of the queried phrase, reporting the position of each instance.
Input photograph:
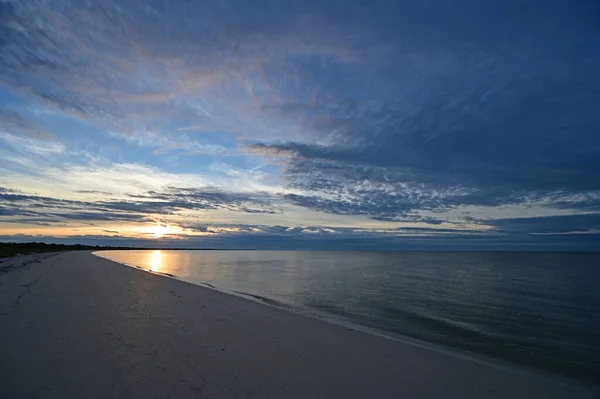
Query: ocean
(534, 309)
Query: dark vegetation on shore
(23, 248)
(11, 249)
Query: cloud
(168, 142)
(118, 181)
(140, 207)
(14, 122)
(36, 222)
(101, 216)
(100, 181)
(29, 146)
(92, 192)
(262, 71)
(225, 231)
(320, 237)
(57, 211)
(459, 146)
(389, 110)
(5, 190)
(208, 198)
(203, 65)
(567, 224)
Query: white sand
(78, 326)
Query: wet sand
(73, 325)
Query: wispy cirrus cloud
(139, 66)
(31, 145)
(99, 181)
(12, 121)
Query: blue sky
(283, 124)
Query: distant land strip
(8, 249)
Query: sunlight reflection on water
(156, 261)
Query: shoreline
(88, 328)
(476, 357)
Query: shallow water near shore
(533, 309)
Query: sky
(339, 124)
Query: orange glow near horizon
(160, 230)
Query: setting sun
(159, 230)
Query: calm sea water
(534, 309)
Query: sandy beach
(74, 325)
